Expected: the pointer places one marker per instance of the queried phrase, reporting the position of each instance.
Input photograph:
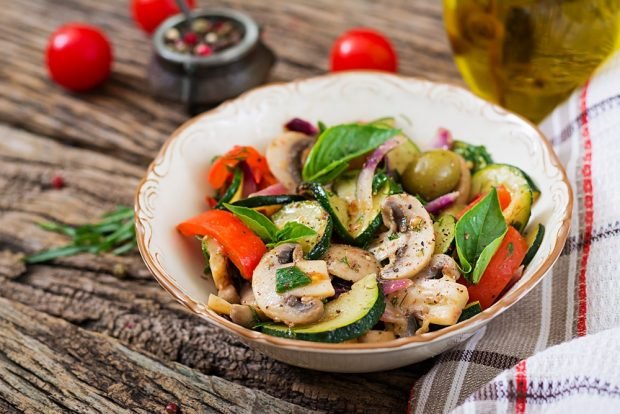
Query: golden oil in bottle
(528, 55)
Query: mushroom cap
(284, 156)
(409, 243)
(284, 307)
(349, 262)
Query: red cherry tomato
(79, 57)
(150, 13)
(363, 49)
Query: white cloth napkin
(579, 299)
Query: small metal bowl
(205, 81)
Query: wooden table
(96, 333)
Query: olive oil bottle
(528, 55)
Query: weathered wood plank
(49, 365)
(124, 121)
(117, 129)
(85, 290)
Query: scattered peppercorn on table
(96, 332)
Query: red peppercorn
(190, 38)
(203, 50)
(58, 182)
(172, 408)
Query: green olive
(434, 173)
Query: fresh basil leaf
(257, 222)
(292, 232)
(292, 277)
(479, 228)
(477, 155)
(337, 145)
(485, 258)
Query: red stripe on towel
(586, 172)
(521, 383)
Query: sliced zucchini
(533, 186)
(512, 178)
(234, 191)
(268, 205)
(534, 239)
(444, 233)
(469, 311)
(349, 316)
(403, 155)
(263, 201)
(345, 186)
(387, 122)
(353, 227)
(311, 214)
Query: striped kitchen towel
(579, 298)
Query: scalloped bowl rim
(470, 325)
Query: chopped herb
(393, 236)
(292, 277)
(114, 233)
(345, 260)
(477, 155)
(511, 249)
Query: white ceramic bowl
(174, 189)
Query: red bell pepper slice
(223, 166)
(240, 244)
(500, 269)
(504, 200)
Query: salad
(351, 233)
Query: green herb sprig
(114, 233)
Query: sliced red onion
(441, 202)
(364, 180)
(391, 286)
(444, 139)
(303, 126)
(249, 185)
(272, 190)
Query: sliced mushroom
(285, 156)
(350, 263)
(286, 308)
(409, 243)
(464, 184)
(440, 265)
(430, 299)
(218, 265)
(243, 315)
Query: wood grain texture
(100, 143)
(90, 292)
(48, 365)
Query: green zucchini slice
(233, 192)
(403, 155)
(311, 214)
(534, 239)
(444, 233)
(469, 311)
(357, 228)
(349, 316)
(512, 178)
(264, 201)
